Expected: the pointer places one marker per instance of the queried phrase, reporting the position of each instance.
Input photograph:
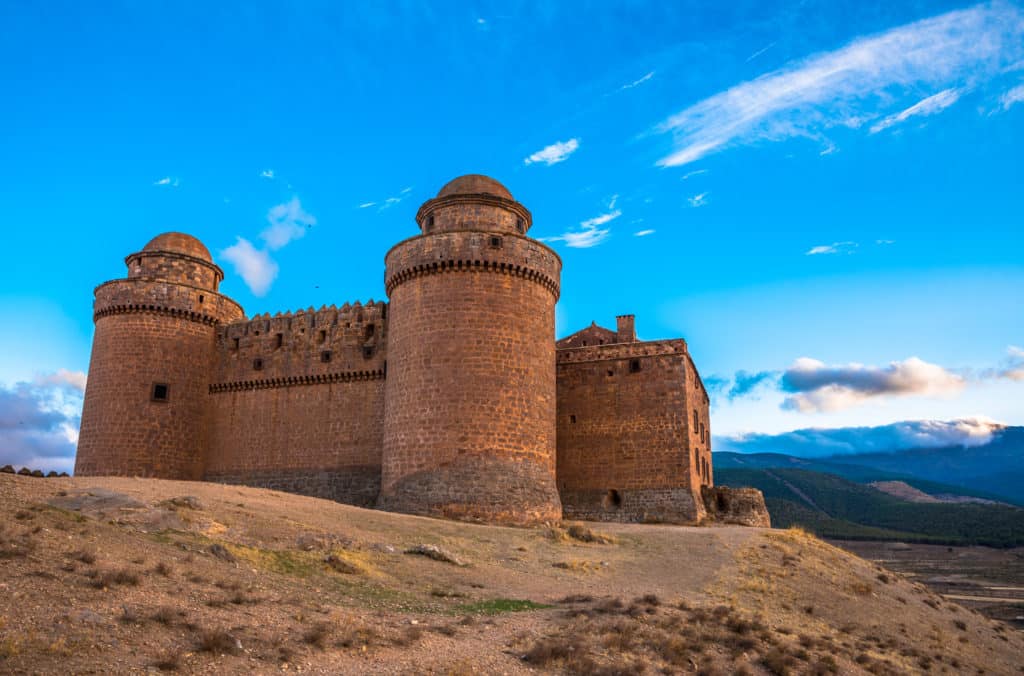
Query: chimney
(625, 331)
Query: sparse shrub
(84, 555)
(960, 624)
(111, 578)
(170, 661)
(166, 615)
(577, 598)
(317, 635)
(548, 650)
(218, 642)
(130, 616)
(22, 515)
(580, 532)
(340, 565)
(162, 569)
(649, 600)
(409, 636)
(444, 629)
(883, 578)
(778, 662)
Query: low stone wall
(357, 486)
(741, 506)
(637, 505)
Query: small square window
(572, 419)
(611, 372)
(634, 365)
(161, 392)
(520, 226)
(321, 337)
(257, 364)
(325, 356)
(367, 351)
(495, 242)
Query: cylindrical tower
(469, 409)
(145, 404)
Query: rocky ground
(129, 576)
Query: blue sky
(823, 197)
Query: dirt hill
(129, 575)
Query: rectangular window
(495, 242)
(572, 419)
(278, 341)
(634, 365)
(257, 364)
(161, 392)
(325, 356)
(322, 336)
(234, 343)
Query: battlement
(292, 347)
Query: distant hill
(832, 506)
(993, 471)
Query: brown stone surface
(739, 506)
(444, 401)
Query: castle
(452, 399)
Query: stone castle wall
(297, 403)
(626, 451)
(452, 400)
(471, 338)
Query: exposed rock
(186, 501)
(95, 500)
(222, 553)
(436, 553)
(741, 506)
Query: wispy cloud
(698, 200)
(833, 248)
(288, 221)
(257, 269)
(759, 52)
(1014, 369)
(638, 82)
(590, 233)
(901, 436)
(388, 202)
(267, 173)
(696, 172)
(643, 233)
(853, 85)
(168, 181)
(1012, 97)
(885, 242)
(367, 205)
(929, 106)
(39, 421)
(554, 153)
(816, 386)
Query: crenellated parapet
(303, 346)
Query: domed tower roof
(179, 242)
(474, 184)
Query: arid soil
(134, 576)
(988, 580)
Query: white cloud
(643, 233)
(885, 242)
(695, 172)
(612, 201)
(929, 106)
(816, 386)
(1013, 96)
(590, 234)
(909, 434)
(366, 205)
(63, 378)
(851, 85)
(554, 153)
(267, 173)
(1015, 364)
(171, 182)
(638, 82)
(288, 221)
(833, 248)
(698, 200)
(255, 266)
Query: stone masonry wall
(297, 402)
(624, 447)
(470, 400)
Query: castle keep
(452, 399)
